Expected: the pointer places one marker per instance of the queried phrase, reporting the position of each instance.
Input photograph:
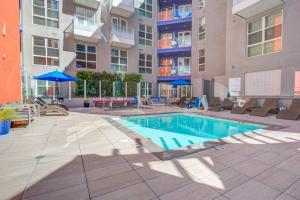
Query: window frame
(86, 61)
(201, 64)
(119, 60)
(263, 30)
(145, 33)
(145, 11)
(46, 51)
(45, 17)
(145, 66)
(146, 89)
(203, 33)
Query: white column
(84, 89)
(126, 90)
(191, 90)
(178, 90)
(26, 85)
(100, 95)
(70, 90)
(53, 86)
(138, 88)
(114, 89)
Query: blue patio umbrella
(56, 76)
(180, 82)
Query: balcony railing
(174, 71)
(84, 25)
(174, 43)
(123, 31)
(173, 14)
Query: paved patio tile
(294, 190)
(252, 190)
(112, 183)
(251, 167)
(221, 198)
(252, 151)
(230, 159)
(291, 165)
(225, 180)
(271, 158)
(78, 192)
(167, 183)
(277, 178)
(191, 192)
(285, 197)
(138, 191)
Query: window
(201, 62)
(85, 18)
(264, 35)
(118, 60)
(46, 88)
(145, 35)
(119, 24)
(45, 51)
(86, 56)
(46, 12)
(146, 89)
(185, 11)
(201, 4)
(145, 8)
(202, 28)
(145, 63)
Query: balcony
(174, 17)
(123, 8)
(86, 29)
(168, 73)
(122, 37)
(174, 46)
(250, 8)
(90, 3)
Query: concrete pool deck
(82, 156)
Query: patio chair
(214, 104)
(268, 106)
(292, 113)
(248, 106)
(227, 104)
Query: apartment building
(245, 47)
(262, 49)
(10, 67)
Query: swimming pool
(172, 131)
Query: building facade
(10, 66)
(217, 46)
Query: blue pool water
(172, 131)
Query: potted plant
(6, 115)
(86, 103)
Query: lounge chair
(268, 106)
(188, 103)
(54, 110)
(214, 104)
(182, 100)
(248, 106)
(292, 113)
(43, 103)
(227, 104)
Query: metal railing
(174, 70)
(174, 43)
(173, 14)
(122, 31)
(85, 24)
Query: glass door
(119, 24)
(184, 65)
(185, 11)
(184, 39)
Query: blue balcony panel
(168, 3)
(175, 24)
(173, 78)
(179, 51)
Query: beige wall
(237, 62)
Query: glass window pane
(255, 38)
(80, 47)
(114, 60)
(39, 20)
(39, 41)
(38, 11)
(38, 3)
(52, 23)
(114, 52)
(254, 26)
(80, 56)
(91, 49)
(53, 4)
(39, 60)
(39, 51)
(148, 64)
(273, 32)
(142, 70)
(255, 50)
(91, 65)
(52, 43)
(148, 70)
(52, 14)
(52, 52)
(273, 46)
(53, 61)
(123, 53)
(273, 19)
(91, 57)
(80, 64)
(149, 57)
(123, 61)
(141, 63)
(141, 56)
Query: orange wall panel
(10, 67)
